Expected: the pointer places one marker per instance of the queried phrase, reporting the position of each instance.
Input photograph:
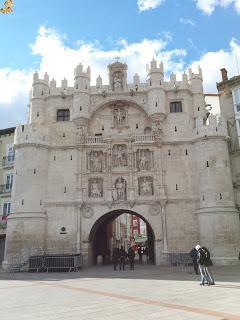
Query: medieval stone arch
(97, 238)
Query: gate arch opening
(99, 241)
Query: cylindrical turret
(217, 217)
(199, 104)
(40, 90)
(156, 93)
(81, 97)
(28, 196)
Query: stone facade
(229, 95)
(90, 153)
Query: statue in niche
(143, 161)
(119, 117)
(120, 190)
(119, 156)
(95, 189)
(117, 82)
(146, 187)
(96, 161)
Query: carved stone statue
(96, 163)
(119, 117)
(95, 189)
(119, 156)
(120, 190)
(146, 187)
(143, 161)
(117, 82)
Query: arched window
(175, 106)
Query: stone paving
(99, 293)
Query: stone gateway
(91, 153)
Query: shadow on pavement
(147, 272)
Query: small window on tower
(63, 115)
(175, 106)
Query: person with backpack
(208, 264)
(202, 260)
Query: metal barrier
(56, 263)
(178, 258)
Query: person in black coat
(131, 256)
(122, 258)
(115, 257)
(193, 254)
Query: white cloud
(208, 6)
(144, 5)
(187, 21)
(212, 62)
(59, 60)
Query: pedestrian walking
(193, 254)
(131, 256)
(122, 258)
(115, 257)
(201, 259)
(208, 266)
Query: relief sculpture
(119, 193)
(95, 188)
(95, 161)
(119, 116)
(144, 160)
(120, 156)
(146, 186)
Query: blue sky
(55, 35)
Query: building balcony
(8, 161)
(145, 139)
(94, 140)
(5, 188)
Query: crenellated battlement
(213, 127)
(80, 72)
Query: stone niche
(117, 76)
(145, 186)
(119, 192)
(144, 159)
(119, 156)
(95, 188)
(95, 161)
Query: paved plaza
(99, 293)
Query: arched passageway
(100, 238)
